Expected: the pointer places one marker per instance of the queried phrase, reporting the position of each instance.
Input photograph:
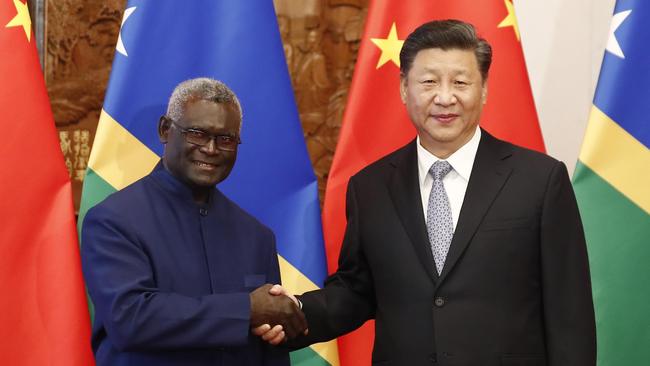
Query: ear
(402, 88)
(484, 93)
(164, 124)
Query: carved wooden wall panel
(321, 40)
(81, 37)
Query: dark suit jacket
(170, 280)
(515, 288)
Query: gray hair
(200, 89)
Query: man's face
(201, 167)
(444, 95)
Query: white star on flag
(120, 45)
(612, 43)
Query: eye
(227, 139)
(460, 82)
(196, 133)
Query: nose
(210, 148)
(445, 96)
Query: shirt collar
(461, 160)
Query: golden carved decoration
(75, 145)
(321, 40)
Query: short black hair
(446, 34)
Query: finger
(272, 333)
(259, 299)
(297, 323)
(292, 325)
(264, 288)
(278, 339)
(299, 320)
(258, 331)
(293, 298)
(290, 328)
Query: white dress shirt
(455, 181)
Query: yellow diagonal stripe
(329, 351)
(118, 156)
(293, 279)
(297, 283)
(617, 157)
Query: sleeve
(348, 299)
(273, 275)
(274, 356)
(566, 287)
(135, 314)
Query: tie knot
(439, 169)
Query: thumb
(277, 290)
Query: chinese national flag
(376, 123)
(43, 311)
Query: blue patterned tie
(439, 222)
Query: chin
(443, 136)
(203, 182)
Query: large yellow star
(22, 19)
(510, 20)
(389, 47)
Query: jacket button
(439, 302)
(203, 211)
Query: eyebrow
(460, 70)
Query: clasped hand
(275, 315)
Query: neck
(443, 150)
(200, 195)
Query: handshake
(276, 315)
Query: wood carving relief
(321, 39)
(81, 38)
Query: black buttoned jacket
(515, 287)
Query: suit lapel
(404, 189)
(489, 173)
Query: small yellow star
(510, 20)
(390, 47)
(22, 19)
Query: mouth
(204, 166)
(445, 118)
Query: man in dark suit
(465, 249)
(176, 270)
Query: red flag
(376, 123)
(43, 311)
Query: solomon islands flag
(612, 185)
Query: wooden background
(321, 39)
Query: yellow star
(389, 47)
(510, 20)
(22, 19)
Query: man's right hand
(274, 310)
